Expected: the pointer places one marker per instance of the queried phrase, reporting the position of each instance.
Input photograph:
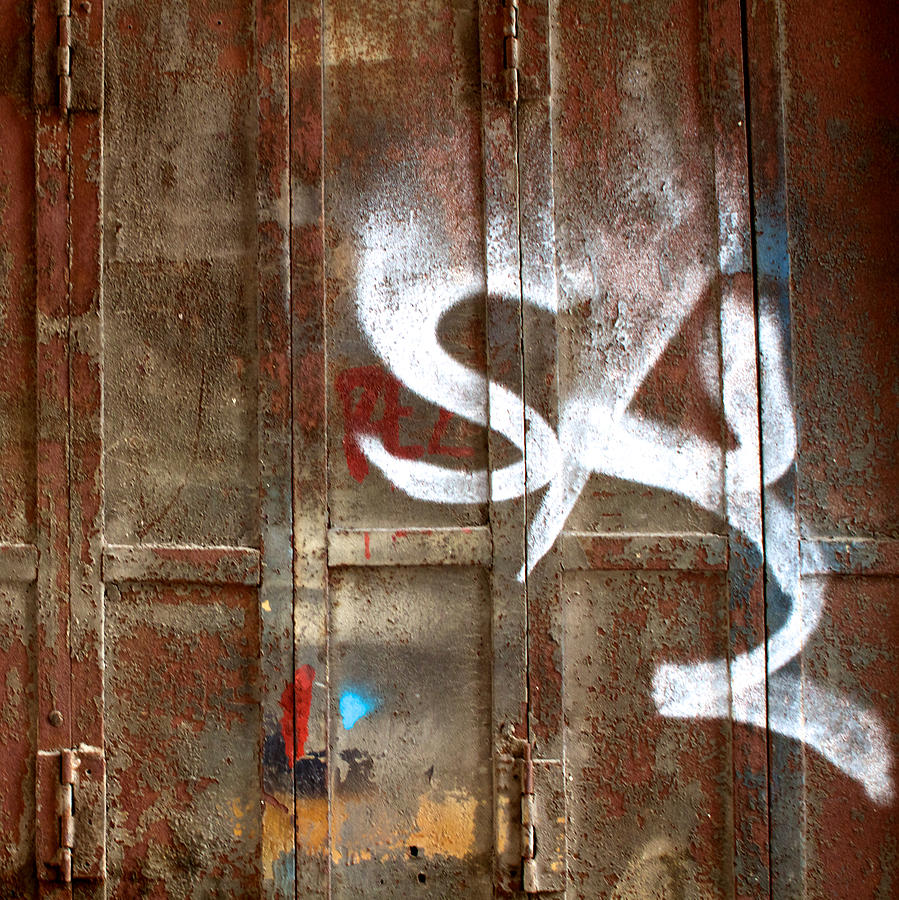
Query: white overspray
(399, 313)
(399, 310)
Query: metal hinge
(64, 54)
(69, 74)
(71, 814)
(510, 49)
(542, 820)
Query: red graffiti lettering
(296, 701)
(435, 447)
(375, 383)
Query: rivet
(55, 718)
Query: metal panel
(411, 161)
(824, 176)
(411, 789)
(659, 487)
(52, 254)
(371, 432)
(197, 448)
(18, 553)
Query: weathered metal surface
(650, 796)
(823, 148)
(70, 840)
(309, 702)
(197, 565)
(18, 520)
(370, 414)
(407, 765)
(658, 427)
(183, 718)
(274, 435)
(53, 416)
(197, 450)
(18, 563)
(611, 552)
(85, 476)
(410, 741)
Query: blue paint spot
(283, 873)
(354, 707)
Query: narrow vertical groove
(70, 178)
(326, 524)
(290, 434)
(522, 374)
(750, 182)
(747, 118)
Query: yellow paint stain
(277, 831)
(504, 824)
(266, 606)
(238, 810)
(445, 826)
(312, 825)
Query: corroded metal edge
(18, 563)
(409, 547)
(652, 552)
(190, 564)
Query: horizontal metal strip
(409, 547)
(687, 552)
(18, 562)
(191, 564)
(849, 556)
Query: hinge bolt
(55, 718)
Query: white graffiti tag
(399, 309)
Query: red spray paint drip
(296, 702)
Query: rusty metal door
(161, 453)
(409, 508)
(656, 511)
(824, 172)
(424, 468)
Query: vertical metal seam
(782, 303)
(747, 118)
(524, 425)
(70, 178)
(290, 433)
(329, 786)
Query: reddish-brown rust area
(180, 681)
(854, 840)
